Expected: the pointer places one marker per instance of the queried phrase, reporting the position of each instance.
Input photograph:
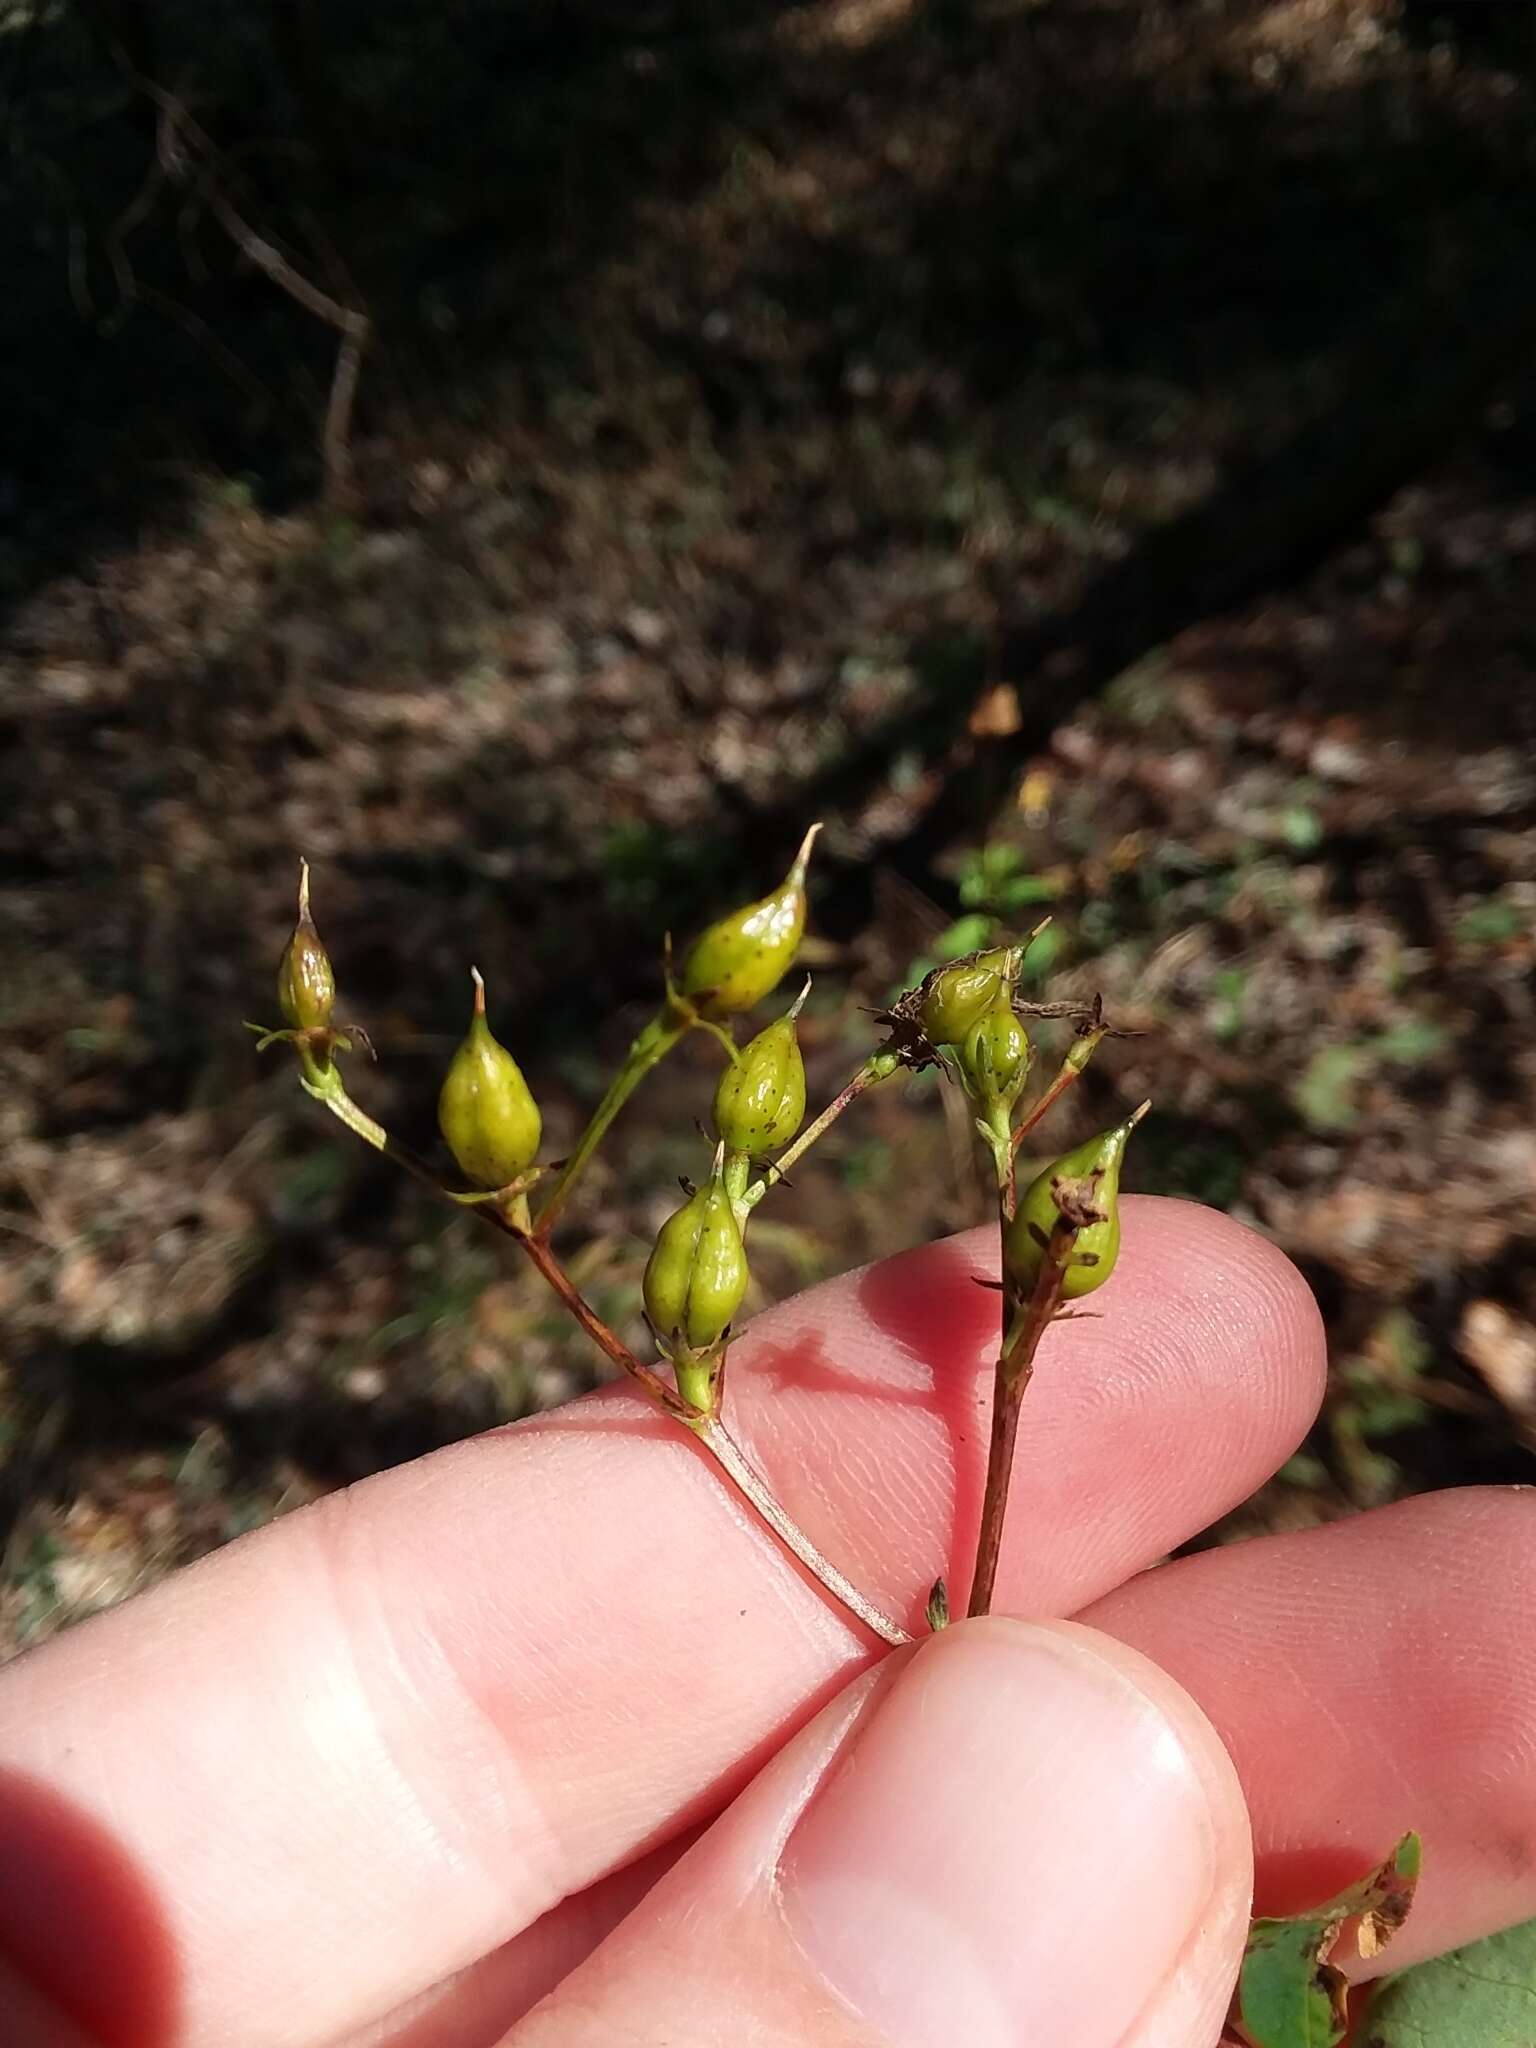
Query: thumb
(1019, 1833)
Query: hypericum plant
(1059, 1239)
(1059, 1242)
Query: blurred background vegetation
(531, 459)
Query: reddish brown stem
(1070, 1069)
(872, 1071)
(1015, 1369)
(612, 1347)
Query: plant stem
(324, 1082)
(510, 1219)
(877, 1068)
(668, 1025)
(732, 1460)
(1079, 1056)
(1015, 1369)
(613, 1348)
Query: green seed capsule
(745, 956)
(953, 998)
(760, 1102)
(994, 1056)
(306, 981)
(697, 1272)
(486, 1112)
(1038, 1215)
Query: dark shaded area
(1084, 452)
(81, 1923)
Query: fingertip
(1247, 1318)
(1016, 1832)
(1371, 1676)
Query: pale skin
(542, 1740)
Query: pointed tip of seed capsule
(802, 859)
(719, 1166)
(799, 1003)
(479, 980)
(1137, 1114)
(306, 981)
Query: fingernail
(1016, 1846)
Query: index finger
(368, 1745)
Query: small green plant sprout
(486, 1111)
(694, 1283)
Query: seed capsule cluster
(1060, 1236)
(965, 1016)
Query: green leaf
(1478, 1997)
(1301, 827)
(1491, 922)
(1289, 1995)
(965, 935)
(1325, 1093)
(1415, 1039)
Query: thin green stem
(651, 1047)
(322, 1079)
(874, 1069)
(992, 1128)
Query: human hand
(388, 1772)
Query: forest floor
(887, 369)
